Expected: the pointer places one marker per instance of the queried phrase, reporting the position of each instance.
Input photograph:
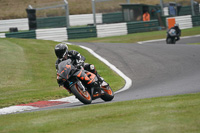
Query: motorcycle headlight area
(60, 80)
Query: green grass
(195, 44)
(32, 81)
(171, 114)
(28, 71)
(137, 37)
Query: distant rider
(62, 53)
(178, 31)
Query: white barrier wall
(2, 35)
(21, 24)
(184, 22)
(111, 30)
(84, 19)
(75, 20)
(55, 34)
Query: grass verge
(137, 37)
(195, 44)
(28, 71)
(171, 114)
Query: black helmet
(176, 25)
(61, 50)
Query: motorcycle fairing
(86, 76)
(65, 69)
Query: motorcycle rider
(62, 53)
(178, 31)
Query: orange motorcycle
(82, 83)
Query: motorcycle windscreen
(65, 69)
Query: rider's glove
(78, 59)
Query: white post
(128, 1)
(192, 7)
(161, 5)
(30, 7)
(67, 13)
(94, 12)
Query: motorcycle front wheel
(171, 41)
(108, 93)
(83, 96)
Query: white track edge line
(14, 109)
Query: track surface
(156, 69)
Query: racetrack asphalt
(155, 68)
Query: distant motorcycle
(171, 36)
(73, 78)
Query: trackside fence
(60, 21)
(82, 19)
(115, 17)
(51, 22)
(134, 27)
(196, 20)
(102, 30)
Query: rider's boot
(101, 80)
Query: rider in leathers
(178, 31)
(62, 53)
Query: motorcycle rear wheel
(108, 93)
(83, 96)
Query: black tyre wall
(31, 14)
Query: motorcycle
(171, 36)
(82, 83)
